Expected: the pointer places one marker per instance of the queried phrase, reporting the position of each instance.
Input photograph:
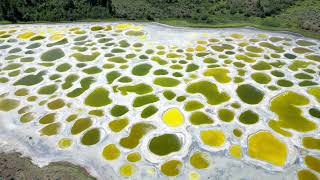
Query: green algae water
(248, 117)
(118, 110)
(147, 101)
(249, 94)
(199, 118)
(165, 144)
(136, 133)
(30, 80)
(166, 82)
(52, 54)
(91, 137)
(209, 90)
(193, 105)
(80, 125)
(149, 111)
(99, 97)
(226, 115)
(199, 160)
(118, 124)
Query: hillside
(301, 16)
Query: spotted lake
(149, 101)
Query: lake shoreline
(184, 23)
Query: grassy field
(5, 22)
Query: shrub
(309, 20)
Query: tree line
(54, 10)
(59, 10)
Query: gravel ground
(15, 167)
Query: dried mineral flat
(149, 101)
